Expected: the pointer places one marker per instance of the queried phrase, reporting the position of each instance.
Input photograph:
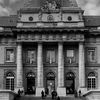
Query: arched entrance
(30, 83)
(70, 83)
(50, 84)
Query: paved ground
(47, 98)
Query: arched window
(10, 81)
(91, 80)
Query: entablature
(50, 35)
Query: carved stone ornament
(51, 5)
(50, 37)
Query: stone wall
(7, 95)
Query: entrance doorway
(70, 83)
(50, 86)
(30, 83)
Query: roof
(69, 3)
(31, 3)
(8, 21)
(92, 21)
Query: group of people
(53, 94)
(20, 92)
(76, 94)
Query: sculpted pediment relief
(51, 5)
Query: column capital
(82, 42)
(60, 42)
(20, 43)
(40, 42)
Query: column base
(61, 91)
(21, 89)
(38, 91)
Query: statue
(51, 5)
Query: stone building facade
(50, 45)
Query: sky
(9, 7)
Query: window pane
(50, 56)
(70, 53)
(31, 56)
(7, 84)
(91, 55)
(10, 81)
(10, 55)
(91, 81)
(12, 84)
(70, 56)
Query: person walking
(58, 98)
(42, 94)
(52, 94)
(79, 93)
(75, 94)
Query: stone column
(19, 84)
(98, 60)
(60, 89)
(81, 68)
(39, 70)
(99, 79)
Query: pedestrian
(79, 93)
(52, 94)
(58, 98)
(42, 94)
(19, 93)
(45, 92)
(75, 93)
(55, 94)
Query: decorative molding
(50, 5)
(50, 37)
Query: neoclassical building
(50, 45)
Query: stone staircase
(47, 98)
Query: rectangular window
(91, 83)
(70, 56)
(50, 56)
(10, 83)
(91, 53)
(31, 56)
(10, 55)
